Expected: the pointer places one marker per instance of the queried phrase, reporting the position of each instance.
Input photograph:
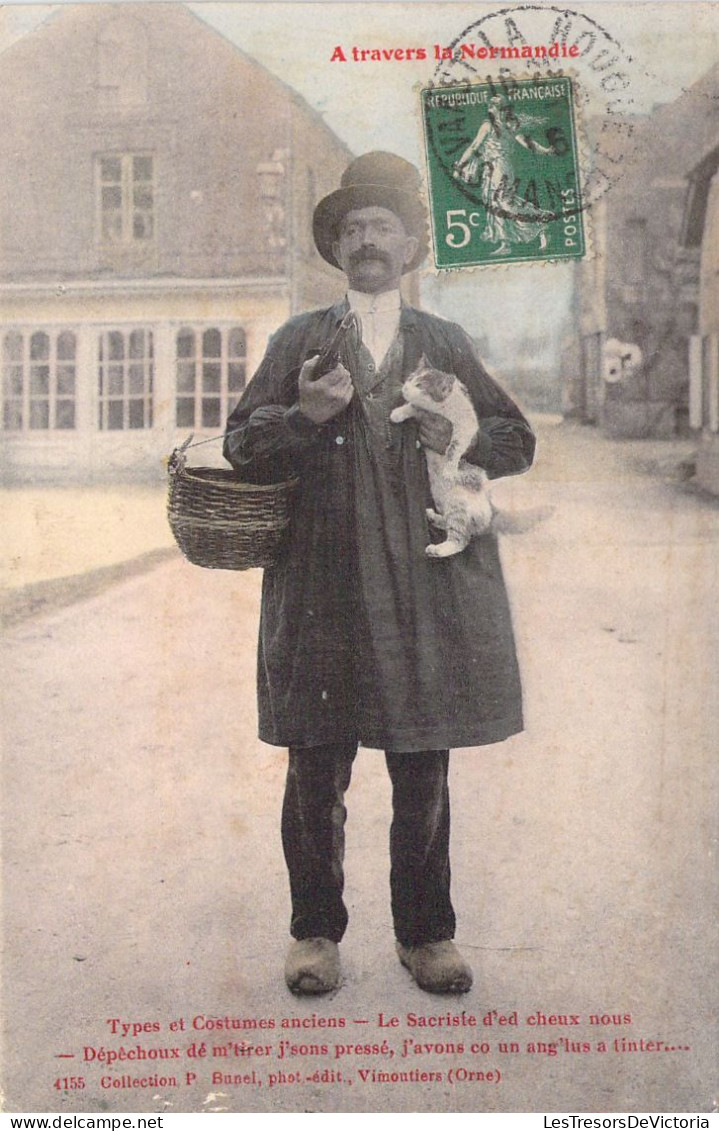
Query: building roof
(155, 9)
(153, 78)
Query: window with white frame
(38, 379)
(125, 369)
(211, 371)
(125, 199)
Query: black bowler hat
(375, 179)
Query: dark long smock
(361, 635)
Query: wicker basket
(219, 522)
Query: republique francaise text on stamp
(503, 172)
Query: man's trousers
(313, 820)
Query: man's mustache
(365, 254)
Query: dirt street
(145, 898)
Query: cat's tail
(519, 522)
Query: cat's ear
(423, 363)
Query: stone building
(155, 226)
(640, 291)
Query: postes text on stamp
(503, 172)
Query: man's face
(373, 249)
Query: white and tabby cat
(459, 489)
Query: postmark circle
(494, 49)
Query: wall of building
(189, 113)
(708, 343)
(642, 287)
(153, 233)
(149, 328)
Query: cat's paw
(402, 412)
(436, 519)
(444, 549)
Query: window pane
(39, 414)
(185, 412)
(39, 380)
(65, 414)
(212, 343)
(137, 343)
(111, 168)
(137, 378)
(142, 196)
(12, 380)
(235, 377)
(237, 342)
(125, 382)
(116, 380)
(137, 413)
(185, 376)
(114, 415)
(112, 198)
(186, 343)
(39, 347)
(211, 378)
(210, 412)
(66, 346)
(142, 225)
(12, 347)
(12, 415)
(142, 168)
(116, 345)
(66, 380)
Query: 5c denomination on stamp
(503, 172)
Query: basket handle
(176, 462)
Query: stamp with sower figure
(503, 172)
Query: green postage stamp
(503, 172)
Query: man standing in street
(363, 637)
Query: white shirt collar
(379, 316)
(369, 304)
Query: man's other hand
(435, 431)
(324, 398)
